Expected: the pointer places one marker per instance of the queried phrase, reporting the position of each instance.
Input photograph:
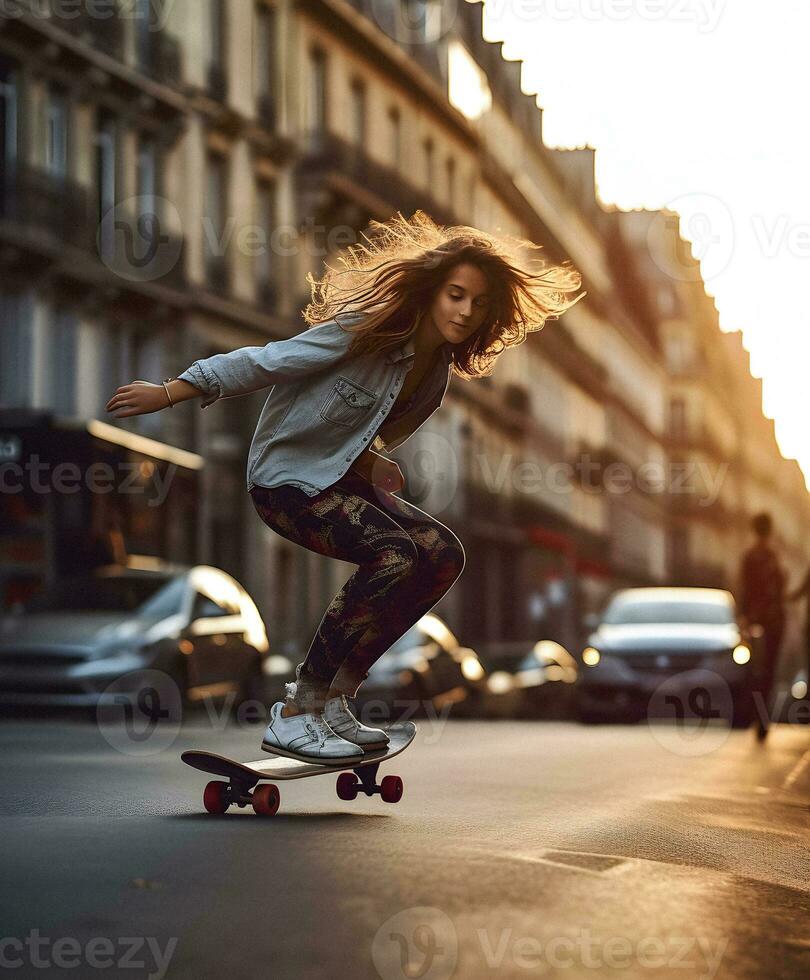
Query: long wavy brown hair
(392, 281)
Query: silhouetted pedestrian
(762, 602)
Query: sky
(699, 106)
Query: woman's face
(461, 304)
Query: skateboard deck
(357, 776)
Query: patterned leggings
(407, 561)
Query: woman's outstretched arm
(144, 397)
(238, 372)
(251, 368)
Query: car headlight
(591, 656)
(471, 668)
(741, 654)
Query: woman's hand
(378, 470)
(138, 398)
(387, 475)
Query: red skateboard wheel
(266, 799)
(214, 797)
(347, 786)
(391, 789)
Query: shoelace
(319, 727)
(341, 714)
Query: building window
(666, 301)
(145, 176)
(416, 16)
(427, 153)
(15, 351)
(265, 260)
(451, 183)
(214, 221)
(680, 353)
(264, 61)
(63, 368)
(316, 109)
(56, 127)
(215, 36)
(105, 180)
(679, 545)
(677, 418)
(394, 135)
(146, 24)
(147, 200)
(8, 114)
(105, 140)
(358, 110)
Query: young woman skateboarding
(418, 304)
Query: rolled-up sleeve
(252, 368)
(207, 384)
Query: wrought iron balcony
(325, 153)
(215, 81)
(217, 274)
(395, 22)
(105, 32)
(159, 57)
(267, 295)
(44, 213)
(35, 202)
(266, 110)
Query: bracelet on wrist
(168, 394)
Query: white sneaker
(337, 715)
(306, 737)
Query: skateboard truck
(218, 796)
(364, 780)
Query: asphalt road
(519, 849)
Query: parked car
(196, 624)
(681, 647)
(426, 665)
(535, 683)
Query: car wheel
(252, 686)
(591, 716)
(742, 715)
(178, 672)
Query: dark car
(534, 683)
(425, 667)
(196, 624)
(681, 650)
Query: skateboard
(265, 798)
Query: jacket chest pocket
(347, 403)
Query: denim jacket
(322, 410)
